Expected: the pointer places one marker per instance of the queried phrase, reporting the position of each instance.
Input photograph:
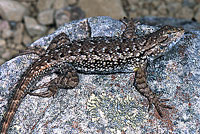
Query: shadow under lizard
(95, 55)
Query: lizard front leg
(143, 88)
(130, 28)
(66, 79)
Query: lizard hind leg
(143, 88)
(130, 28)
(66, 79)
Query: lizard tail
(16, 100)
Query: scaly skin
(99, 55)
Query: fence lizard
(94, 55)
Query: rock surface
(109, 103)
(13, 12)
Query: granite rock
(110, 103)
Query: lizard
(94, 55)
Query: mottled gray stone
(186, 24)
(110, 103)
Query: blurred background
(24, 21)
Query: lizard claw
(159, 105)
(163, 100)
(150, 106)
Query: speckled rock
(12, 10)
(110, 103)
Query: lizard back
(105, 55)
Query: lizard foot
(143, 88)
(159, 105)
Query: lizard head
(162, 40)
